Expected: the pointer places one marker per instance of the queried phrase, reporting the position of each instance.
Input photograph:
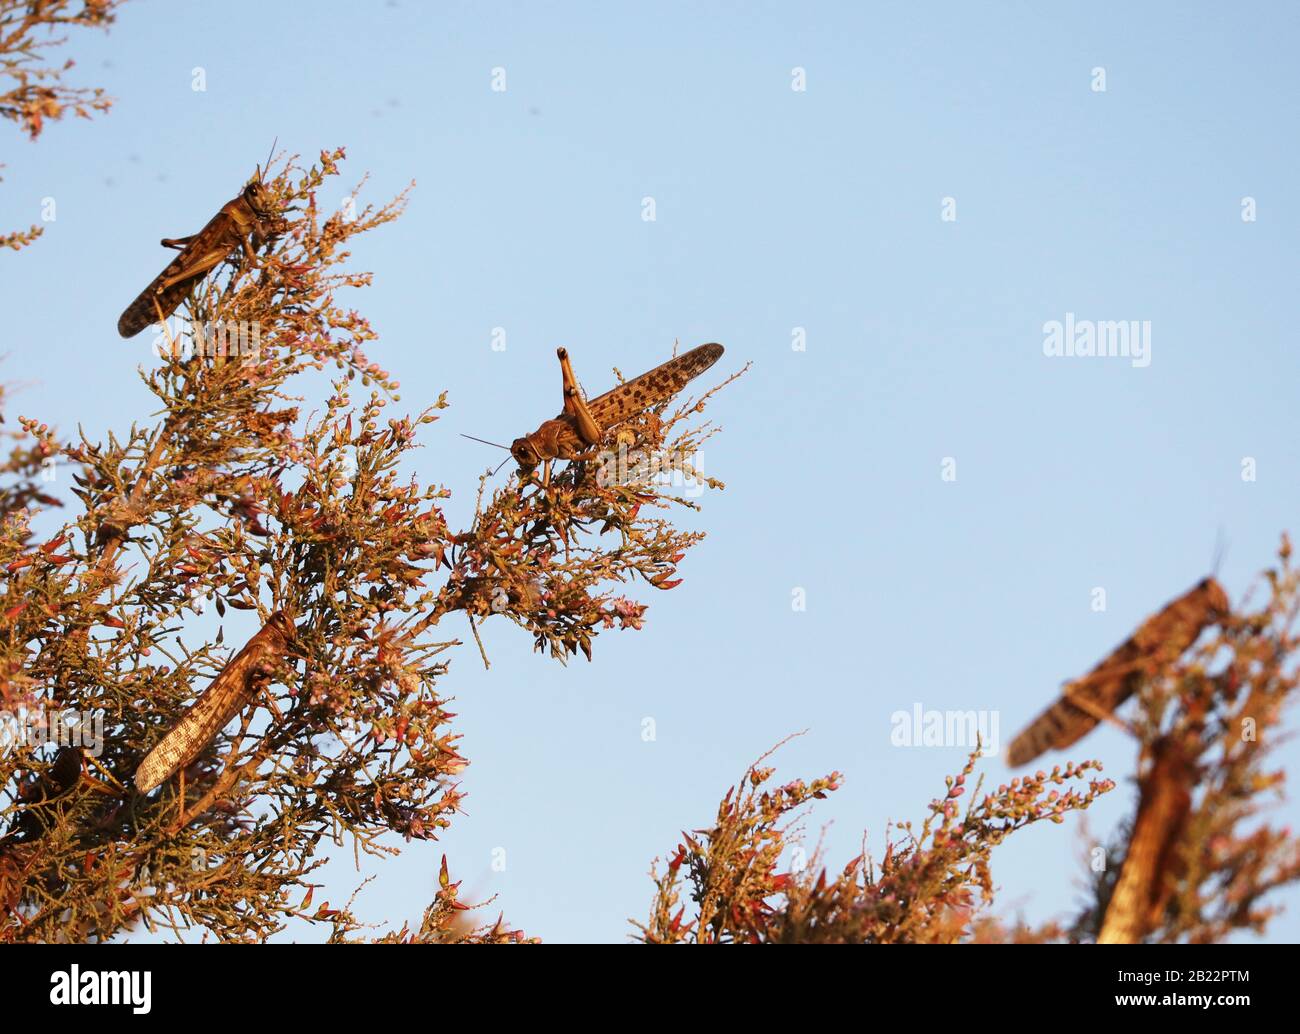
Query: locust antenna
(495, 445)
(269, 156)
(1220, 549)
(485, 441)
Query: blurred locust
(1151, 864)
(247, 221)
(1160, 639)
(577, 432)
(225, 697)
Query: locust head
(255, 193)
(259, 197)
(1216, 599)
(283, 624)
(525, 454)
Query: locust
(1145, 885)
(227, 694)
(576, 433)
(1160, 639)
(247, 221)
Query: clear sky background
(776, 210)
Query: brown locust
(578, 430)
(247, 221)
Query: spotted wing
(652, 388)
(144, 311)
(1162, 638)
(225, 697)
(1074, 715)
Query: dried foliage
(446, 921)
(32, 89)
(928, 888)
(26, 469)
(236, 499)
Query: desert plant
(32, 88)
(236, 500)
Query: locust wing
(652, 388)
(143, 312)
(225, 697)
(1158, 641)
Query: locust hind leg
(177, 242)
(199, 266)
(575, 406)
(1073, 694)
(179, 822)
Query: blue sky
(776, 209)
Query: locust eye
(258, 196)
(523, 452)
